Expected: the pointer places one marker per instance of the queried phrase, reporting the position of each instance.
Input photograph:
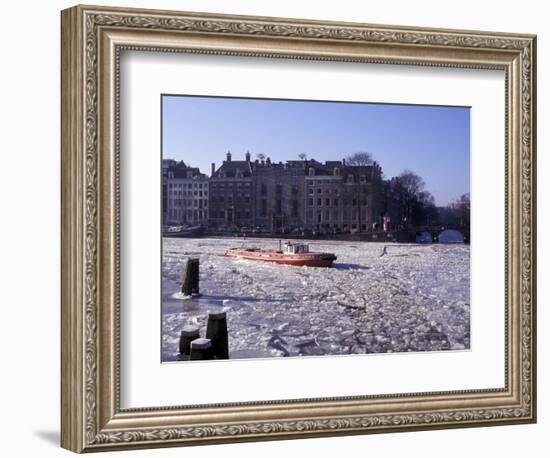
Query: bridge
(436, 231)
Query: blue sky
(432, 141)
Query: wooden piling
(216, 331)
(201, 349)
(188, 334)
(190, 286)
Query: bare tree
(261, 156)
(462, 208)
(425, 211)
(412, 183)
(426, 198)
(302, 156)
(409, 192)
(360, 158)
(465, 200)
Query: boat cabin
(294, 248)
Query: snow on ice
(412, 298)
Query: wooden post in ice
(188, 334)
(190, 286)
(216, 330)
(201, 349)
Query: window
(264, 189)
(319, 201)
(327, 202)
(310, 201)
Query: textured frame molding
(92, 38)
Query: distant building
(231, 194)
(186, 195)
(279, 195)
(167, 165)
(295, 195)
(343, 198)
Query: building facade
(279, 195)
(231, 197)
(343, 198)
(328, 197)
(187, 195)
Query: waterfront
(412, 298)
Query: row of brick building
(275, 197)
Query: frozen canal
(414, 298)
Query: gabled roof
(229, 169)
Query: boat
(294, 254)
(183, 231)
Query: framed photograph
(279, 228)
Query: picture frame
(93, 39)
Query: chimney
(268, 161)
(247, 156)
(229, 156)
(343, 162)
(213, 169)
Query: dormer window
(311, 172)
(337, 171)
(350, 179)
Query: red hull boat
(294, 255)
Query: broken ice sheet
(414, 298)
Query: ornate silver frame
(92, 38)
